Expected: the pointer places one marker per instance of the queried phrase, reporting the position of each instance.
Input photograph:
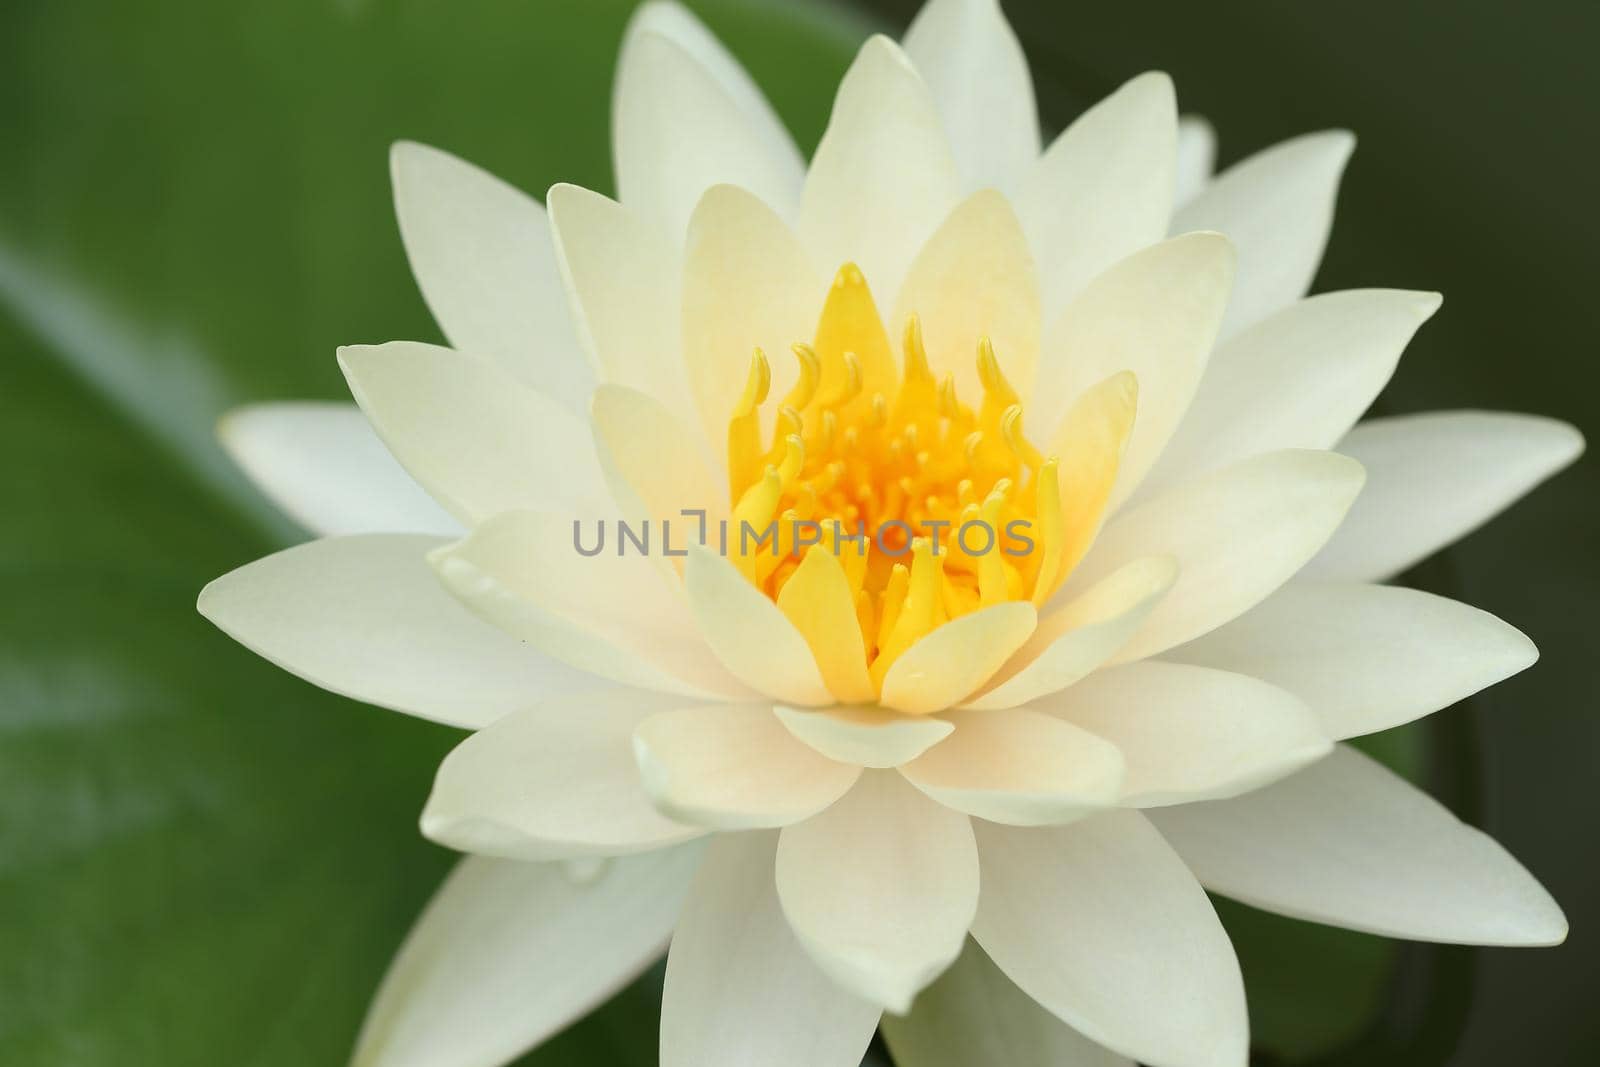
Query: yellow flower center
(880, 484)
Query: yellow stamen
(861, 445)
(744, 430)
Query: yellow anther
(989, 374)
(850, 387)
(788, 425)
(916, 354)
(880, 411)
(894, 598)
(794, 458)
(991, 564)
(921, 611)
(805, 387)
(1011, 427)
(757, 381)
(745, 456)
(766, 561)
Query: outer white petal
(1197, 156)
(611, 614)
(748, 283)
(672, 20)
(677, 131)
(557, 781)
(974, 1015)
(748, 633)
(474, 437)
(1082, 634)
(1433, 479)
(509, 953)
(1299, 379)
(740, 990)
(1277, 209)
(1019, 766)
(365, 617)
(1102, 924)
(734, 767)
(622, 278)
(1192, 733)
(975, 279)
(973, 63)
(1155, 314)
(482, 254)
(322, 464)
(1103, 190)
(1237, 534)
(880, 888)
(883, 178)
(1365, 657)
(865, 736)
(1349, 843)
(954, 660)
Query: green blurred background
(205, 861)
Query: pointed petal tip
(1155, 83)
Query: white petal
(1277, 209)
(973, 63)
(1197, 157)
(865, 736)
(740, 990)
(974, 1015)
(734, 767)
(1103, 190)
(1349, 843)
(557, 781)
(1019, 766)
(657, 465)
(880, 888)
(482, 254)
(1155, 314)
(672, 20)
(748, 283)
(974, 279)
(1237, 535)
(1365, 657)
(1192, 733)
(622, 278)
(611, 614)
(1432, 479)
(882, 179)
(509, 953)
(947, 665)
(364, 616)
(478, 440)
(322, 464)
(1103, 925)
(677, 131)
(1082, 634)
(748, 633)
(1299, 379)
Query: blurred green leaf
(203, 860)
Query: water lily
(968, 795)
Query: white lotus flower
(801, 768)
